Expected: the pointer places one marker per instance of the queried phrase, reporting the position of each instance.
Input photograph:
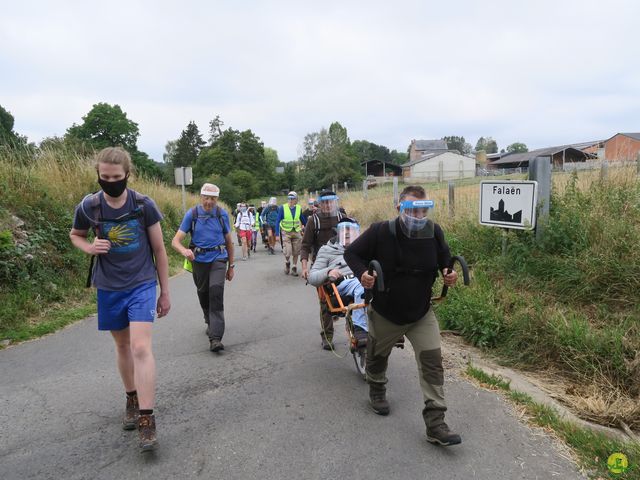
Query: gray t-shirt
(129, 262)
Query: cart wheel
(360, 358)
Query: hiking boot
(441, 435)
(287, 268)
(327, 344)
(361, 336)
(294, 271)
(215, 345)
(147, 432)
(378, 398)
(130, 420)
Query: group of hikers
(271, 221)
(132, 262)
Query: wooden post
(345, 186)
(395, 191)
(604, 170)
(540, 171)
(451, 198)
(364, 189)
(638, 164)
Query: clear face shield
(329, 206)
(347, 232)
(413, 218)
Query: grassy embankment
(566, 308)
(42, 276)
(590, 449)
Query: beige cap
(210, 190)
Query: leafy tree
(366, 151)
(7, 135)
(488, 144)
(106, 126)
(399, 157)
(517, 147)
(187, 147)
(458, 143)
(327, 158)
(215, 129)
(169, 151)
(234, 150)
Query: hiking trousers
(424, 336)
(209, 279)
(292, 244)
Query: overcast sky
(543, 73)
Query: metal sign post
(183, 176)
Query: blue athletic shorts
(117, 309)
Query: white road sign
(183, 176)
(509, 204)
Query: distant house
(439, 166)
(622, 147)
(418, 148)
(576, 152)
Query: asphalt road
(273, 405)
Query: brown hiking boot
(441, 435)
(130, 419)
(147, 432)
(294, 271)
(216, 345)
(378, 398)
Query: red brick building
(622, 147)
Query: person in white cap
(289, 225)
(211, 254)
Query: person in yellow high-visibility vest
(289, 226)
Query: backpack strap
(194, 217)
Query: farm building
(378, 168)
(439, 166)
(574, 153)
(622, 147)
(419, 148)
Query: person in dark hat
(318, 231)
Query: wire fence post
(451, 198)
(395, 191)
(364, 189)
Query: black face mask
(114, 189)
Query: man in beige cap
(289, 225)
(211, 254)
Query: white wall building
(439, 166)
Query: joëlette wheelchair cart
(343, 306)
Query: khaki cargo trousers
(424, 336)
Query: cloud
(541, 73)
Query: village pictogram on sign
(508, 204)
